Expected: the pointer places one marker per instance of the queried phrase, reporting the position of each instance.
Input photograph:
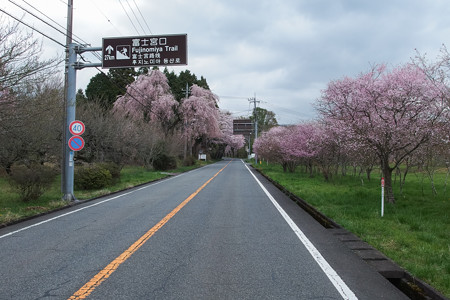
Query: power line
(31, 27)
(123, 7)
(132, 10)
(43, 21)
(107, 19)
(240, 112)
(233, 97)
(59, 25)
(142, 17)
(64, 33)
(140, 93)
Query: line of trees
(30, 100)
(132, 116)
(395, 119)
(149, 125)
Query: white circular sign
(76, 128)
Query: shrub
(114, 169)
(31, 181)
(163, 162)
(189, 161)
(92, 177)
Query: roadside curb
(412, 287)
(77, 202)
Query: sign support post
(141, 51)
(68, 163)
(70, 117)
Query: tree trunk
(368, 171)
(310, 166)
(446, 180)
(387, 173)
(292, 166)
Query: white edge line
(92, 205)
(335, 279)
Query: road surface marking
(89, 287)
(335, 279)
(92, 205)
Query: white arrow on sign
(109, 49)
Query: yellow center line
(90, 286)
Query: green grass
(414, 232)
(12, 209)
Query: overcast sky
(283, 51)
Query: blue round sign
(76, 143)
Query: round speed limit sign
(76, 128)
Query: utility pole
(72, 50)
(67, 195)
(255, 121)
(185, 125)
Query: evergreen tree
(178, 83)
(266, 119)
(105, 88)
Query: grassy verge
(414, 232)
(11, 209)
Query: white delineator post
(382, 196)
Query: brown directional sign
(144, 51)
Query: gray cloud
(284, 51)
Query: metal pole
(70, 117)
(249, 146)
(65, 138)
(185, 126)
(256, 126)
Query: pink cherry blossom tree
(201, 116)
(391, 113)
(231, 142)
(149, 98)
(268, 145)
(234, 143)
(289, 146)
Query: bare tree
(30, 98)
(20, 57)
(30, 128)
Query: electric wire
(131, 21)
(65, 34)
(20, 75)
(31, 27)
(139, 92)
(137, 19)
(145, 21)
(54, 40)
(78, 40)
(233, 97)
(106, 17)
(56, 23)
(126, 92)
(43, 21)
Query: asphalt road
(218, 232)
